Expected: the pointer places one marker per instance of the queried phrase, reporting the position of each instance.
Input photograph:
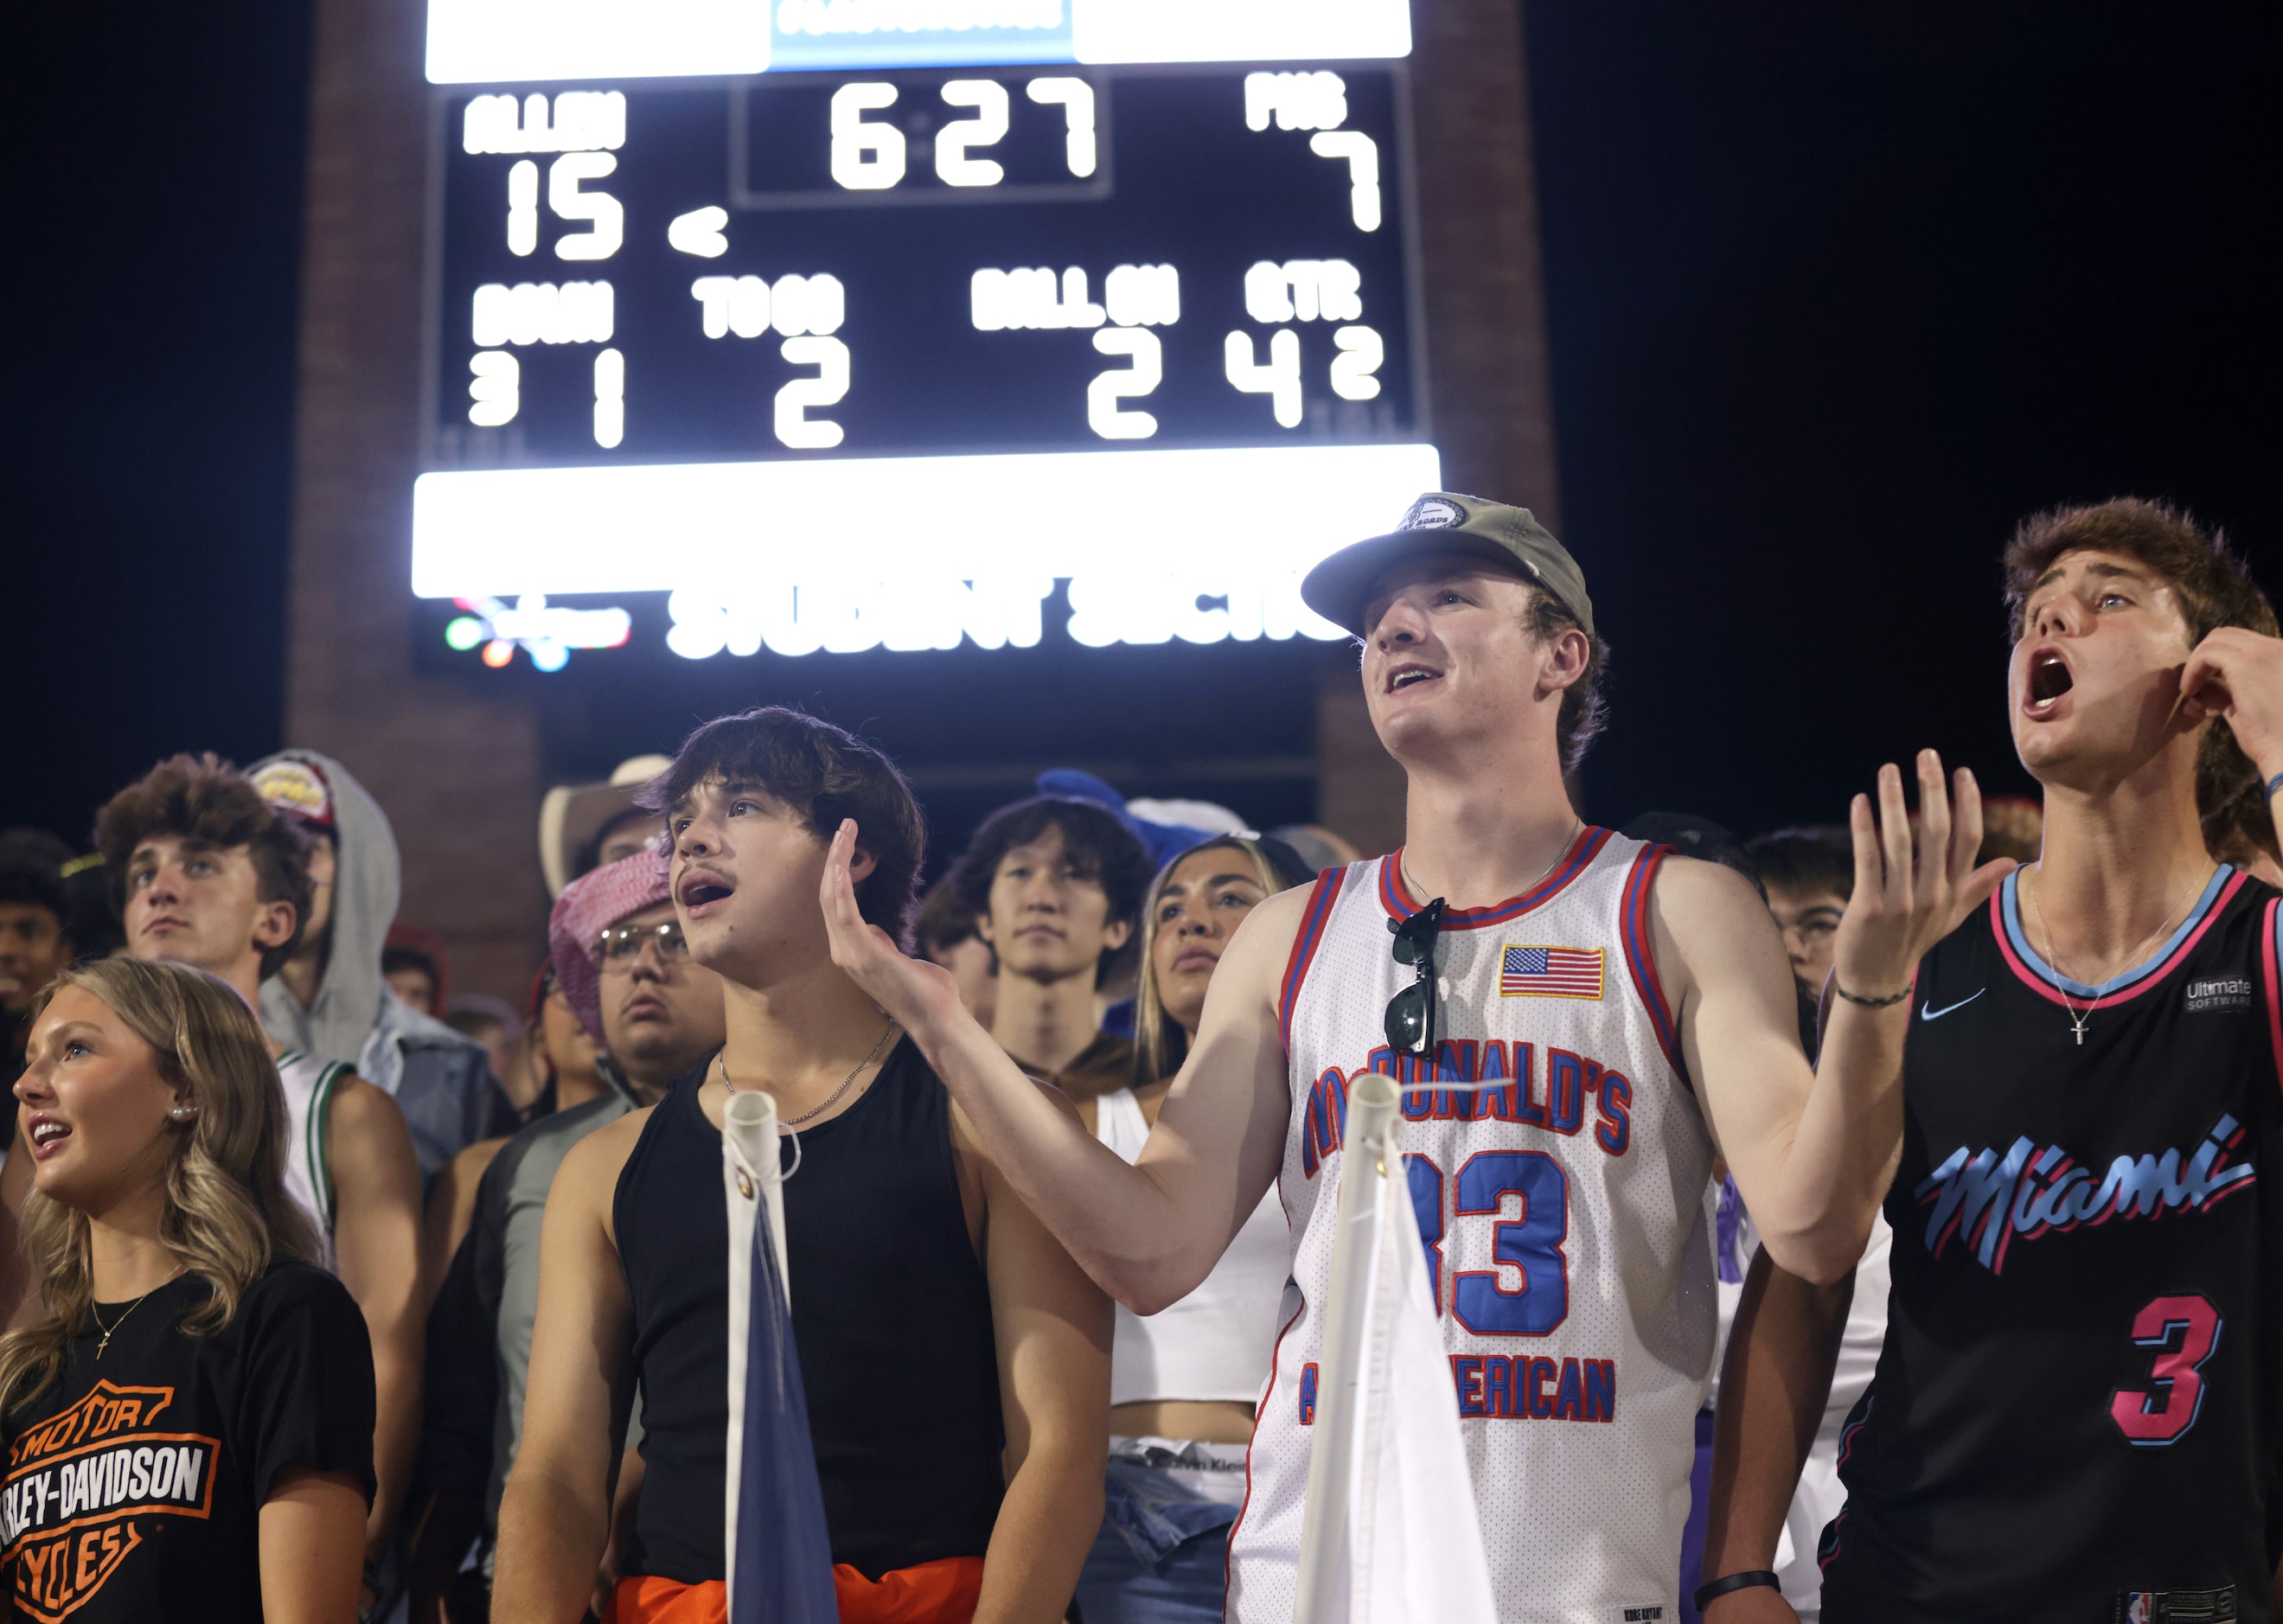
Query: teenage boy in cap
(955, 1361)
(208, 876)
(2077, 1412)
(625, 970)
(329, 998)
(1621, 1012)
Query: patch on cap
(1433, 513)
(298, 788)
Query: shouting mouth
(1410, 675)
(701, 892)
(2050, 678)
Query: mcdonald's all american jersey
(1565, 1214)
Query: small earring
(183, 1113)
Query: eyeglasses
(618, 949)
(1411, 1012)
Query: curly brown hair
(2213, 587)
(204, 798)
(823, 774)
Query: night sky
(1834, 301)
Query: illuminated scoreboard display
(854, 324)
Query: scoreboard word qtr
(1024, 295)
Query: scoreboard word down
(922, 262)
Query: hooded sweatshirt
(441, 1079)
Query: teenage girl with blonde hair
(189, 1430)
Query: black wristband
(1861, 1003)
(1736, 1581)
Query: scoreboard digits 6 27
(712, 334)
(923, 262)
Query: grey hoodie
(439, 1079)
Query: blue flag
(783, 1558)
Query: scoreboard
(852, 324)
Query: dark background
(1832, 302)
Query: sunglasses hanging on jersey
(1411, 1012)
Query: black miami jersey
(2076, 1415)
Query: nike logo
(1927, 1011)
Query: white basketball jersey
(309, 1083)
(1563, 1213)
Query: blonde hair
(227, 1215)
(1160, 1044)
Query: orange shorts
(940, 1592)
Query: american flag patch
(1549, 973)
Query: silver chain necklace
(831, 1099)
(2077, 1017)
(1560, 852)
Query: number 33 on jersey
(1561, 1193)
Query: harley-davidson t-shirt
(135, 1480)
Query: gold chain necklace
(111, 1329)
(2077, 1017)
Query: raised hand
(917, 993)
(1904, 902)
(2237, 674)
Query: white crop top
(1215, 1343)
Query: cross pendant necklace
(111, 1329)
(2077, 1017)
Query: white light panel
(482, 41)
(477, 42)
(1239, 30)
(925, 552)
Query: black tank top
(2076, 1416)
(890, 1317)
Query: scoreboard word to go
(915, 324)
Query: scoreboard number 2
(1175, 256)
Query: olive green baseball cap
(1339, 589)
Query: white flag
(1402, 1543)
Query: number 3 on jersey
(1528, 1242)
(2164, 1412)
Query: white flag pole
(1371, 1171)
(755, 1193)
